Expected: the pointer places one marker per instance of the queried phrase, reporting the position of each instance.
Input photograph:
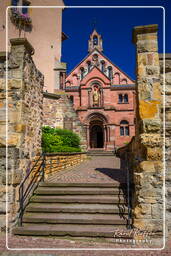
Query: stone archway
(96, 134)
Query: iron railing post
(128, 192)
(21, 205)
(43, 168)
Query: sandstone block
(151, 125)
(2, 84)
(157, 211)
(147, 45)
(151, 140)
(19, 127)
(14, 84)
(155, 153)
(152, 70)
(148, 109)
(147, 166)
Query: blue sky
(115, 25)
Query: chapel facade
(103, 96)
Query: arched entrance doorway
(97, 131)
(96, 136)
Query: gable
(119, 77)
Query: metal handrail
(24, 195)
(128, 191)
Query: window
(25, 3)
(110, 73)
(120, 99)
(82, 73)
(122, 131)
(95, 40)
(124, 128)
(123, 98)
(89, 65)
(124, 81)
(14, 2)
(25, 9)
(102, 66)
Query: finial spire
(94, 23)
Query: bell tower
(95, 42)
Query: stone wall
(167, 75)
(147, 149)
(56, 162)
(25, 101)
(58, 112)
(145, 152)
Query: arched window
(82, 72)
(125, 98)
(124, 128)
(89, 65)
(95, 40)
(68, 83)
(120, 98)
(110, 73)
(124, 81)
(102, 66)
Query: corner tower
(95, 42)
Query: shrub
(59, 140)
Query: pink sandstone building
(103, 97)
(42, 27)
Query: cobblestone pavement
(73, 246)
(98, 169)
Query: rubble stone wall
(25, 105)
(58, 112)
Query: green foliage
(59, 140)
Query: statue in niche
(96, 96)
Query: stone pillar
(148, 167)
(167, 82)
(25, 102)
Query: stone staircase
(76, 210)
(100, 152)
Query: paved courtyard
(98, 169)
(73, 246)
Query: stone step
(112, 199)
(73, 218)
(74, 230)
(100, 153)
(77, 191)
(96, 185)
(76, 208)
